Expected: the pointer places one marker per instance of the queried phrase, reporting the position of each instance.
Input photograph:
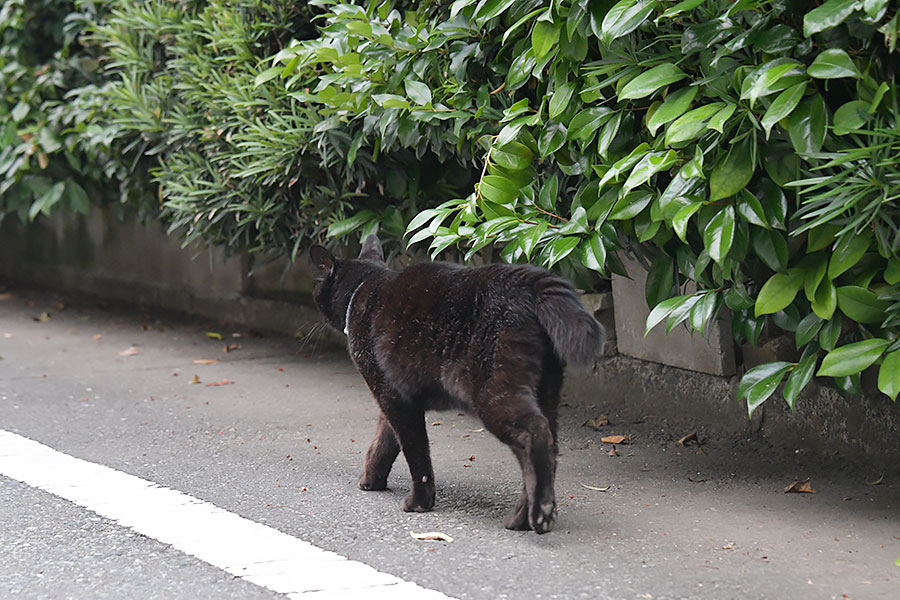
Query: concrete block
(713, 354)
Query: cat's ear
(371, 249)
(322, 260)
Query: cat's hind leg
(380, 457)
(513, 415)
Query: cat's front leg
(408, 424)
(380, 457)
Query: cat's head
(336, 279)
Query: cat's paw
(420, 499)
(542, 516)
(371, 484)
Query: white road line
(255, 552)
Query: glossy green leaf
(552, 138)
(682, 217)
(673, 107)
(830, 333)
(760, 382)
(529, 238)
(665, 308)
(691, 124)
(771, 247)
(585, 124)
(488, 9)
(684, 6)
(520, 70)
(718, 120)
(593, 253)
(660, 280)
(498, 189)
(544, 37)
(847, 253)
(889, 375)
(824, 303)
(800, 376)
(560, 248)
(651, 80)
(548, 194)
(782, 106)
(830, 14)
(624, 17)
(852, 358)
(808, 329)
(719, 234)
(806, 125)
(418, 92)
(851, 115)
(733, 172)
(833, 64)
(559, 101)
(702, 312)
(777, 293)
(861, 304)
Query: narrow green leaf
(852, 358)
(559, 101)
(663, 310)
(718, 120)
(800, 376)
(682, 217)
(719, 234)
(593, 253)
(691, 124)
(651, 80)
(560, 248)
(782, 106)
(808, 329)
(673, 107)
(624, 17)
(760, 382)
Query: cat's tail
(576, 335)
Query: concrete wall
(680, 377)
(114, 255)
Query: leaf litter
(799, 487)
(435, 536)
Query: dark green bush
(749, 149)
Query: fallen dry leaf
(728, 546)
(479, 430)
(691, 437)
(436, 423)
(205, 361)
(96, 337)
(595, 488)
(213, 335)
(218, 383)
(596, 422)
(431, 536)
(194, 380)
(799, 487)
(230, 347)
(129, 352)
(42, 318)
(615, 439)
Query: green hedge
(747, 151)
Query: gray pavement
(282, 443)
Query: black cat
(492, 340)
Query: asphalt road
(281, 439)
